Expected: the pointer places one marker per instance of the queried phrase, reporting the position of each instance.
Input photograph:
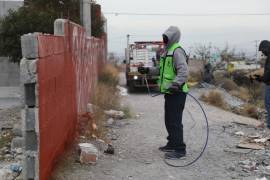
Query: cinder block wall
(58, 75)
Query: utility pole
(85, 12)
(127, 52)
(256, 46)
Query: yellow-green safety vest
(168, 71)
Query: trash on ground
(115, 114)
(253, 146)
(240, 133)
(109, 150)
(248, 122)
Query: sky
(238, 32)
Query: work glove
(143, 70)
(258, 78)
(174, 88)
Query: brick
(89, 153)
(29, 43)
(88, 158)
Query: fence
(58, 73)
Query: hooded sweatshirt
(179, 56)
(266, 46)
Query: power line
(186, 14)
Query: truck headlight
(135, 77)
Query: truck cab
(142, 54)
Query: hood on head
(265, 47)
(173, 33)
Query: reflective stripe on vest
(168, 71)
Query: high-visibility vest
(168, 71)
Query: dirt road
(137, 140)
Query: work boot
(166, 148)
(175, 155)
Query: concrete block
(59, 27)
(30, 119)
(28, 71)
(30, 95)
(17, 142)
(29, 44)
(37, 95)
(31, 141)
(89, 153)
(29, 171)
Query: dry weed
(229, 84)
(250, 110)
(215, 98)
(195, 76)
(242, 93)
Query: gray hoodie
(179, 57)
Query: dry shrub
(109, 75)
(256, 91)
(106, 97)
(215, 98)
(229, 85)
(195, 76)
(250, 110)
(240, 77)
(242, 93)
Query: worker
(173, 74)
(264, 48)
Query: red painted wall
(68, 68)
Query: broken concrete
(250, 146)
(115, 114)
(88, 154)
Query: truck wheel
(131, 87)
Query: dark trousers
(174, 107)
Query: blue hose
(207, 128)
(206, 141)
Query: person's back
(264, 47)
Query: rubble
(109, 150)
(88, 153)
(240, 133)
(263, 178)
(122, 91)
(17, 142)
(248, 122)
(261, 140)
(250, 146)
(11, 171)
(17, 130)
(110, 122)
(115, 114)
(248, 165)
